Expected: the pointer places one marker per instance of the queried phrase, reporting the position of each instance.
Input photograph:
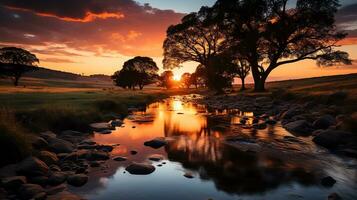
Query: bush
(14, 139)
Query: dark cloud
(347, 14)
(67, 22)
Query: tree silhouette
(139, 71)
(268, 34)
(167, 79)
(14, 62)
(192, 40)
(242, 70)
(186, 79)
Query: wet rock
(77, 180)
(324, 122)
(85, 146)
(156, 143)
(32, 166)
(291, 113)
(48, 134)
(299, 127)
(57, 178)
(56, 189)
(328, 181)
(188, 175)
(140, 169)
(116, 123)
(120, 158)
(106, 148)
(39, 180)
(156, 157)
(48, 157)
(64, 196)
(31, 191)
(99, 155)
(87, 142)
(39, 143)
(334, 196)
(13, 182)
(60, 146)
(101, 126)
(260, 126)
(331, 139)
(133, 152)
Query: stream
(223, 159)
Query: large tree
(139, 71)
(167, 79)
(269, 34)
(14, 62)
(193, 40)
(186, 79)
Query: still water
(266, 164)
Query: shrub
(14, 139)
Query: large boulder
(140, 169)
(156, 143)
(77, 180)
(332, 139)
(60, 146)
(31, 191)
(13, 182)
(299, 127)
(48, 157)
(324, 122)
(32, 166)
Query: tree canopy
(14, 62)
(139, 71)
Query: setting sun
(177, 77)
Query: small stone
(133, 152)
(57, 178)
(140, 169)
(77, 180)
(156, 157)
(328, 181)
(120, 158)
(156, 143)
(188, 175)
(48, 157)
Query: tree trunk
(243, 84)
(16, 80)
(259, 85)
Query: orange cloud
(89, 17)
(348, 41)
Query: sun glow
(177, 77)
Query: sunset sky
(98, 36)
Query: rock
(291, 113)
(60, 146)
(94, 164)
(120, 158)
(133, 152)
(48, 134)
(101, 126)
(271, 121)
(334, 196)
(331, 139)
(104, 132)
(39, 180)
(32, 166)
(39, 143)
(85, 146)
(77, 180)
(106, 148)
(98, 155)
(188, 175)
(48, 157)
(57, 178)
(260, 126)
(116, 123)
(64, 196)
(324, 122)
(328, 181)
(140, 169)
(31, 191)
(13, 182)
(299, 127)
(156, 157)
(156, 143)
(56, 189)
(87, 142)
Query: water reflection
(273, 166)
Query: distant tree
(242, 70)
(14, 62)
(186, 79)
(194, 79)
(167, 79)
(269, 34)
(139, 71)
